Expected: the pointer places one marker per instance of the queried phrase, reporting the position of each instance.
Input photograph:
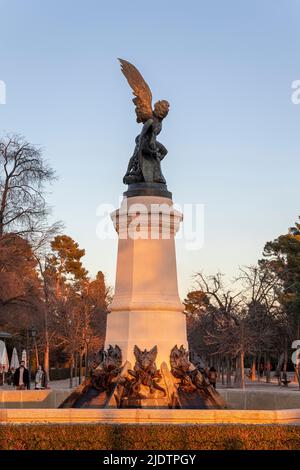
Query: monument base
(148, 189)
(146, 416)
(146, 310)
(146, 329)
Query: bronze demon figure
(144, 374)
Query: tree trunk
(75, 367)
(265, 364)
(46, 331)
(242, 367)
(253, 368)
(3, 206)
(258, 366)
(218, 364)
(239, 379)
(285, 360)
(228, 372)
(297, 371)
(46, 359)
(222, 371)
(80, 368)
(36, 354)
(268, 369)
(71, 371)
(237, 374)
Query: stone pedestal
(146, 309)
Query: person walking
(21, 377)
(212, 376)
(40, 378)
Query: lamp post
(32, 335)
(87, 340)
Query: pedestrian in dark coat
(21, 377)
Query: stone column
(146, 309)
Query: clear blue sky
(232, 132)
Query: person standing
(40, 379)
(21, 377)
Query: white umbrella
(14, 363)
(24, 357)
(4, 362)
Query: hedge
(149, 437)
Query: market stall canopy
(5, 335)
(14, 363)
(4, 362)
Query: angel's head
(161, 109)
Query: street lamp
(32, 332)
(32, 335)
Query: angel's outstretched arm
(162, 150)
(144, 131)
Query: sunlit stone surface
(146, 309)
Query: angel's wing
(142, 92)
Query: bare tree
(235, 325)
(265, 317)
(23, 175)
(223, 325)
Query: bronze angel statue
(144, 165)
